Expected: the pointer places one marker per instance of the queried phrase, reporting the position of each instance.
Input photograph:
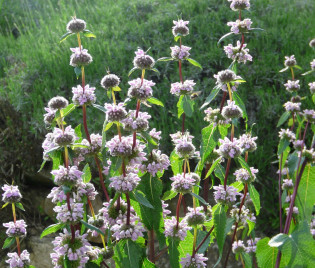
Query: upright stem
(177, 209)
(128, 209)
(292, 73)
(223, 100)
(183, 123)
(151, 246)
(100, 174)
(17, 238)
(206, 188)
(280, 192)
(71, 226)
(204, 239)
(85, 124)
(227, 172)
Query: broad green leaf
(219, 226)
(219, 172)
(305, 197)
(99, 107)
(200, 236)
(8, 242)
(52, 229)
(240, 103)
(176, 163)
(224, 36)
(155, 101)
(128, 254)
(147, 264)
(284, 117)
(247, 259)
(213, 166)
(89, 34)
(211, 97)
(266, 255)
(91, 227)
(188, 106)
(91, 265)
(180, 109)
(108, 126)
(186, 246)
(194, 62)
(169, 195)
(20, 206)
(297, 67)
(57, 159)
(140, 197)
(65, 36)
(177, 37)
(149, 138)
(244, 164)
(87, 176)
(239, 186)
(208, 143)
(254, 195)
(78, 132)
(117, 89)
(173, 245)
(251, 226)
(199, 198)
(77, 71)
(278, 240)
(165, 59)
(283, 144)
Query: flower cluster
(180, 28)
(182, 183)
(15, 229)
(180, 53)
(83, 96)
(244, 176)
(225, 196)
(239, 53)
(11, 194)
(140, 89)
(125, 183)
(115, 112)
(172, 229)
(198, 260)
(80, 57)
(184, 88)
(157, 162)
(228, 148)
(136, 122)
(142, 60)
(240, 26)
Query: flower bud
(180, 28)
(289, 61)
(231, 110)
(80, 57)
(110, 81)
(57, 103)
(226, 76)
(143, 61)
(76, 25)
(312, 43)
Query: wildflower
(287, 184)
(86, 96)
(251, 245)
(292, 85)
(76, 25)
(298, 145)
(247, 143)
(136, 123)
(15, 229)
(97, 221)
(290, 61)
(115, 112)
(231, 111)
(182, 184)
(180, 53)
(225, 196)
(157, 162)
(49, 116)
(11, 194)
(312, 87)
(48, 144)
(309, 155)
(244, 176)
(119, 147)
(106, 168)
(93, 147)
(287, 134)
(182, 88)
(64, 138)
(75, 252)
(57, 103)
(109, 81)
(312, 43)
(16, 261)
(240, 26)
(164, 209)
(214, 116)
(238, 247)
(196, 261)
(67, 175)
(239, 4)
(184, 147)
(224, 77)
(233, 86)
(134, 230)
(57, 195)
(309, 115)
(107, 253)
(295, 210)
(292, 107)
(237, 53)
(171, 229)
(195, 216)
(125, 183)
(112, 214)
(155, 134)
(180, 28)
(178, 136)
(80, 57)
(312, 64)
(241, 216)
(73, 216)
(143, 61)
(140, 89)
(93, 252)
(84, 189)
(229, 149)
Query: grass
(34, 67)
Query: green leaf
(77, 71)
(213, 166)
(308, 72)
(42, 166)
(89, 34)
(165, 59)
(57, 159)
(284, 69)
(239, 186)
(99, 107)
(305, 196)
(257, 29)
(52, 229)
(251, 226)
(132, 70)
(180, 109)
(254, 195)
(91, 227)
(239, 81)
(223, 37)
(284, 117)
(147, 264)
(297, 67)
(87, 176)
(91, 265)
(240, 103)
(169, 195)
(128, 254)
(177, 37)
(155, 70)
(266, 255)
(176, 163)
(108, 126)
(104, 134)
(188, 106)
(199, 198)
(155, 101)
(149, 138)
(140, 197)
(211, 97)
(5, 205)
(220, 173)
(244, 164)
(8, 242)
(173, 252)
(78, 132)
(219, 226)
(208, 143)
(247, 260)
(20, 206)
(283, 144)
(65, 36)
(278, 240)
(194, 62)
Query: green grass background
(34, 67)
